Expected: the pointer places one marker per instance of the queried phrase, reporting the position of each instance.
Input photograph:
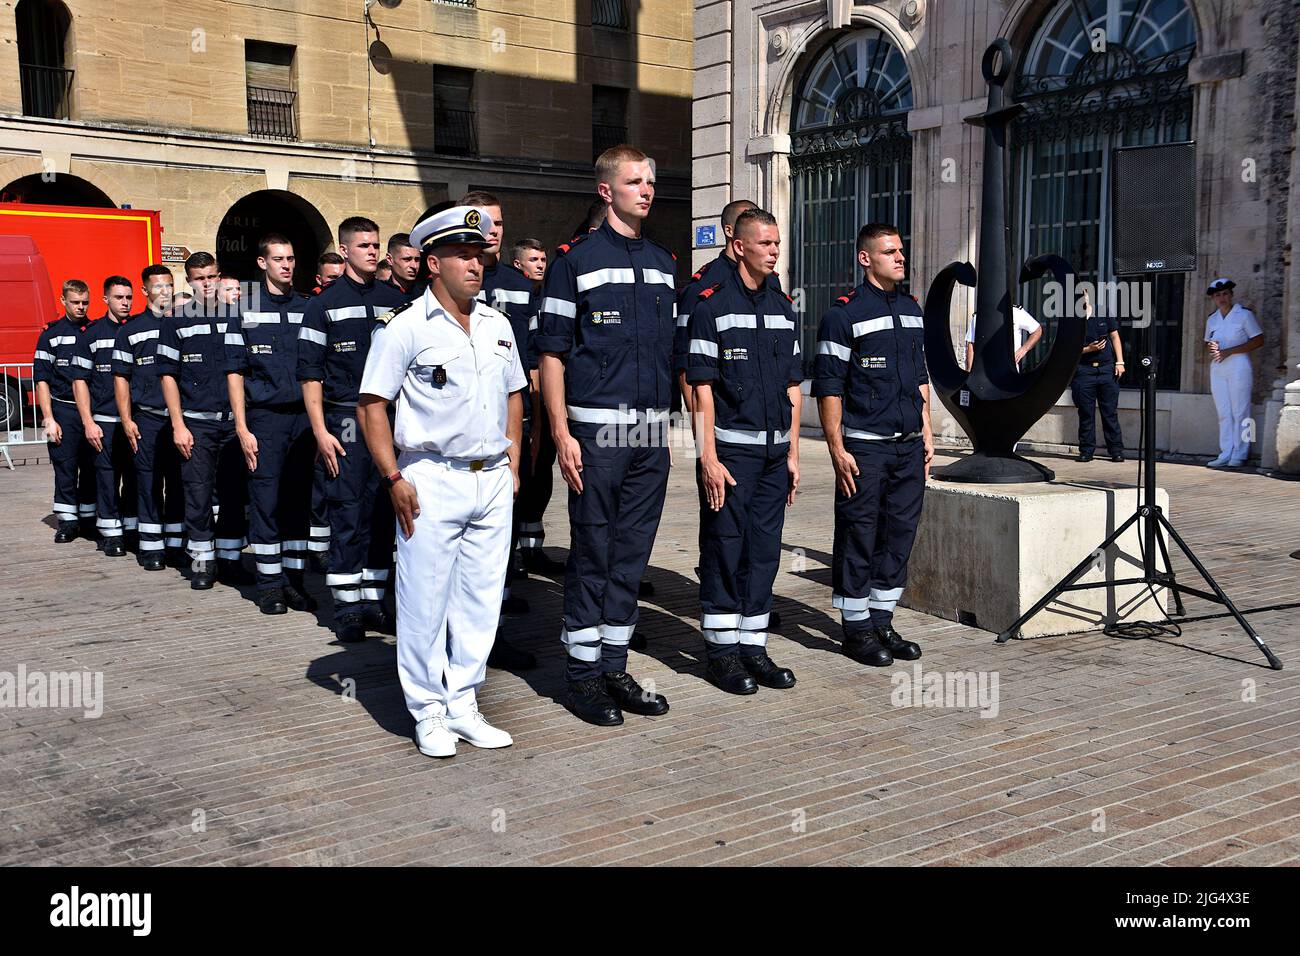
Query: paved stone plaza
(229, 737)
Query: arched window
(851, 162)
(42, 36)
(1096, 75)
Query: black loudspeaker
(1153, 207)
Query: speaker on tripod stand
(1153, 227)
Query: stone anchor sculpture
(994, 403)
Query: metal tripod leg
(1273, 662)
(1169, 568)
(1065, 582)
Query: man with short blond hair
(605, 339)
(61, 369)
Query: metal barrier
(19, 413)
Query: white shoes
(1236, 463)
(434, 739)
(1219, 462)
(474, 728)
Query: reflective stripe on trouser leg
(857, 520)
(114, 481)
(65, 458)
(318, 533)
(271, 428)
(149, 482)
(449, 578)
(535, 488)
(904, 496)
(613, 525)
(354, 504)
(231, 487)
(199, 474)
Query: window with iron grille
(456, 3)
(272, 99)
(455, 127)
(609, 13)
(1082, 100)
(42, 35)
(608, 118)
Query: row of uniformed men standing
(607, 325)
(606, 331)
(231, 403)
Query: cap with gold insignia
(459, 225)
(1220, 285)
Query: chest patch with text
(873, 361)
(607, 318)
(736, 354)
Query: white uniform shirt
(1023, 326)
(1235, 328)
(454, 387)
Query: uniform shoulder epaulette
(844, 299)
(788, 297)
(916, 300)
(697, 276)
(566, 246)
(394, 313)
(705, 293)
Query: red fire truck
(40, 247)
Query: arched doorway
(1097, 74)
(850, 162)
(262, 212)
(57, 190)
(42, 40)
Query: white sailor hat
(457, 225)
(1220, 285)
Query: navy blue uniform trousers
(875, 530)
(115, 491)
(362, 524)
(279, 504)
(74, 467)
(740, 548)
(1090, 388)
(160, 500)
(214, 472)
(612, 531)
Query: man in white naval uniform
(453, 366)
(1231, 333)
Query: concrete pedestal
(985, 554)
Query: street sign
(705, 236)
(175, 253)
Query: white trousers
(1230, 382)
(450, 575)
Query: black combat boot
(589, 701)
(630, 696)
(764, 670)
(725, 672)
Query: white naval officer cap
(468, 225)
(1220, 285)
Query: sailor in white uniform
(453, 366)
(1231, 332)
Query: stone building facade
(233, 118)
(831, 113)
